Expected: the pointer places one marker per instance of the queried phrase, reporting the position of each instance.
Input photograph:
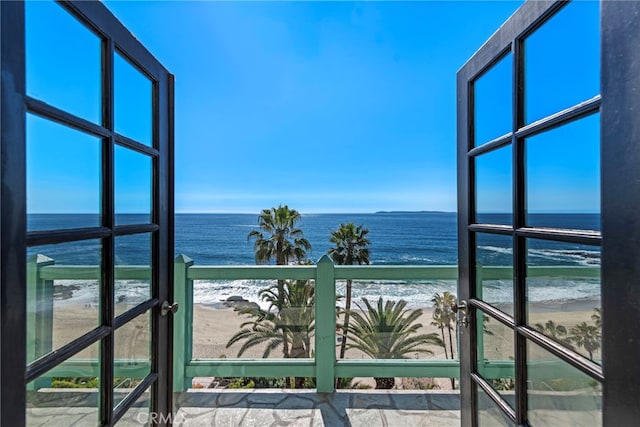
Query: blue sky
(327, 107)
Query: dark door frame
(14, 238)
(619, 107)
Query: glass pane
(559, 394)
(63, 294)
(563, 176)
(133, 94)
(494, 270)
(562, 61)
(496, 356)
(63, 61)
(563, 294)
(372, 302)
(132, 353)
(493, 93)
(494, 187)
(133, 187)
(139, 415)
(223, 306)
(67, 395)
(63, 176)
(489, 414)
(132, 270)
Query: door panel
(529, 221)
(95, 249)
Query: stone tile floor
(262, 407)
(371, 408)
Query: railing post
(182, 322)
(39, 314)
(325, 325)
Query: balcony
(195, 404)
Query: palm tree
(388, 331)
(351, 248)
(555, 331)
(587, 336)
(280, 223)
(283, 243)
(290, 319)
(444, 317)
(439, 322)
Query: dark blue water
(411, 238)
(419, 238)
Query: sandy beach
(213, 327)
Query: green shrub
(242, 383)
(71, 382)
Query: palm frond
(387, 330)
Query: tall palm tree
(283, 242)
(388, 331)
(439, 322)
(587, 336)
(351, 248)
(444, 317)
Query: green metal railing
(324, 366)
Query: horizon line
(312, 213)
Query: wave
(216, 292)
(405, 259)
(413, 258)
(565, 256)
(88, 292)
(544, 291)
(76, 292)
(418, 294)
(577, 256)
(497, 249)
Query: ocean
(397, 238)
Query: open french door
(87, 133)
(548, 197)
